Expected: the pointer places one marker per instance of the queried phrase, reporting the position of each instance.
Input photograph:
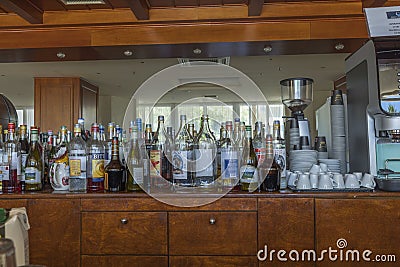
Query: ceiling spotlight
(60, 55)
(267, 48)
(197, 51)
(339, 46)
(128, 53)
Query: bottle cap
(183, 117)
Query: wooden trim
(24, 9)
(37, 104)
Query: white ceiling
(122, 77)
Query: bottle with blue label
(229, 160)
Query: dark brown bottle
(114, 171)
(269, 169)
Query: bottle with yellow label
(95, 163)
(77, 162)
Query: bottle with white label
(248, 170)
(279, 151)
(34, 164)
(182, 157)
(77, 159)
(13, 149)
(205, 156)
(135, 180)
(229, 160)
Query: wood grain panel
(203, 33)
(216, 261)
(285, 224)
(54, 237)
(331, 29)
(145, 233)
(53, 103)
(364, 224)
(233, 233)
(124, 261)
(150, 204)
(13, 203)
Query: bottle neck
(110, 132)
(115, 149)
(11, 135)
(63, 139)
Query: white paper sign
(383, 21)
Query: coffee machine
(296, 95)
(373, 102)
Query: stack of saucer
(333, 164)
(302, 160)
(338, 136)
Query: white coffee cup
(352, 181)
(315, 169)
(368, 181)
(314, 180)
(323, 167)
(292, 179)
(359, 175)
(338, 181)
(325, 182)
(303, 182)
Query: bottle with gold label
(59, 177)
(34, 164)
(95, 162)
(135, 181)
(77, 161)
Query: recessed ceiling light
(128, 53)
(339, 46)
(197, 51)
(267, 48)
(83, 2)
(60, 55)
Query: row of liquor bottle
(93, 162)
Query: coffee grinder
(297, 94)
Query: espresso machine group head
(296, 95)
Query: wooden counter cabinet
(285, 224)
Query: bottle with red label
(95, 162)
(13, 149)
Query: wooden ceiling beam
(255, 7)
(25, 9)
(140, 8)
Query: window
(25, 116)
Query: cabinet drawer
(124, 233)
(124, 261)
(213, 233)
(223, 261)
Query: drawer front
(213, 233)
(143, 233)
(124, 261)
(215, 261)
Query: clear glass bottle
(34, 164)
(13, 149)
(77, 158)
(269, 170)
(205, 155)
(182, 157)
(108, 142)
(248, 170)
(135, 181)
(114, 171)
(23, 140)
(222, 136)
(229, 160)
(236, 130)
(159, 169)
(95, 162)
(259, 141)
(146, 146)
(279, 151)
